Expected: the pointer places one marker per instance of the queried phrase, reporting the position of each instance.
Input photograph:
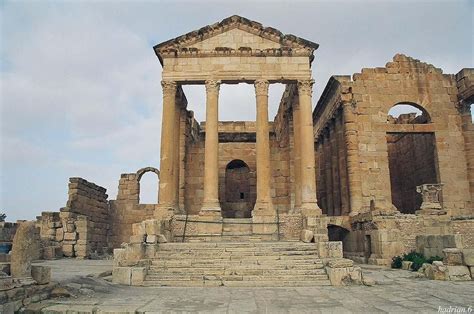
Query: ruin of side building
(348, 178)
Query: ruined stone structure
(351, 176)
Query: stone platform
(272, 264)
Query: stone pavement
(397, 291)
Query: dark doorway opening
(238, 197)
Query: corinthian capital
(305, 87)
(261, 87)
(212, 86)
(169, 87)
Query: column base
(310, 210)
(211, 209)
(263, 209)
(295, 210)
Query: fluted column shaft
(353, 173)
(335, 168)
(176, 163)
(297, 155)
(167, 189)
(308, 180)
(263, 202)
(211, 150)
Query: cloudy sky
(80, 84)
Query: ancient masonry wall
(334, 190)
(238, 143)
(406, 80)
(7, 231)
(126, 210)
(465, 85)
(412, 162)
(81, 227)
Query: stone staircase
(237, 264)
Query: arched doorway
(412, 157)
(239, 190)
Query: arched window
(408, 113)
(148, 185)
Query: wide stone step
(279, 266)
(230, 262)
(235, 283)
(234, 255)
(239, 272)
(224, 245)
(237, 277)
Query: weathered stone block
(330, 249)
(161, 238)
(340, 263)
(41, 274)
(452, 257)
(26, 246)
(137, 239)
(152, 226)
(459, 273)
(70, 236)
(151, 239)
(437, 271)
(68, 250)
(468, 255)
(122, 275)
(138, 276)
(139, 229)
(307, 236)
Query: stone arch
(408, 113)
(142, 171)
(139, 175)
(337, 233)
(239, 196)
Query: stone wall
(7, 231)
(370, 95)
(80, 228)
(412, 162)
(237, 142)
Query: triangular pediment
(235, 33)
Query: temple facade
(357, 176)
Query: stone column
(176, 163)
(210, 203)
(464, 108)
(335, 168)
(297, 155)
(264, 202)
(328, 173)
(167, 189)
(342, 164)
(321, 182)
(309, 206)
(353, 171)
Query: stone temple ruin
(292, 201)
